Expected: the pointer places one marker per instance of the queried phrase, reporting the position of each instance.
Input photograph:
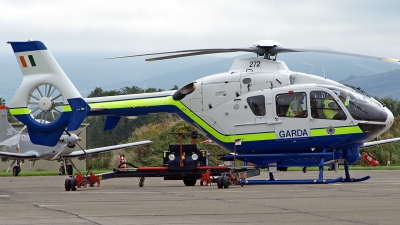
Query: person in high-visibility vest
(295, 108)
(331, 109)
(343, 97)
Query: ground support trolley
(189, 177)
(180, 162)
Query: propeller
(265, 48)
(71, 141)
(80, 138)
(61, 149)
(74, 138)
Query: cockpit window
(360, 106)
(324, 106)
(257, 104)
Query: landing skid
(305, 181)
(309, 181)
(320, 179)
(349, 179)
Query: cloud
(104, 27)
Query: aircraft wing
(12, 155)
(375, 143)
(104, 149)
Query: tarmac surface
(43, 200)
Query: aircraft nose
(73, 139)
(389, 120)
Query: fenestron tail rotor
(45, 103)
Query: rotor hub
(267, 43)
(45, 104)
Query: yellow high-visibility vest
(290, 110)
(329, 113)
(347, 102)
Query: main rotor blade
(183, 55)
(256, 50)
(275, 50)
(259, 50)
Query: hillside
(380, 85)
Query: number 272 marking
(255, 64)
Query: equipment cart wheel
(67, 184)
(219, 182)
(226, 181)
(189, 182)
(73, 184)
(16, 171)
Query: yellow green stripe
(214, 133)
(20, 111)
(132, 103)
(66, 108)
(338, 131)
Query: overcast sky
(113, 27)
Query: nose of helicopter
(389, 120)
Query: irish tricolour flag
(27, 61)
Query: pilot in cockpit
(344, 98)
(332, 110)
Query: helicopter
(260, 110)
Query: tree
(392, 104)
(99, 138)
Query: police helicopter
(262, 111)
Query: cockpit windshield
(360, 105)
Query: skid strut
(320, 179)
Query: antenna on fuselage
(309, 65)
(323, 69)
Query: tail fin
(7, 130)
(44, 94)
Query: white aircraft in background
(17, 146)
